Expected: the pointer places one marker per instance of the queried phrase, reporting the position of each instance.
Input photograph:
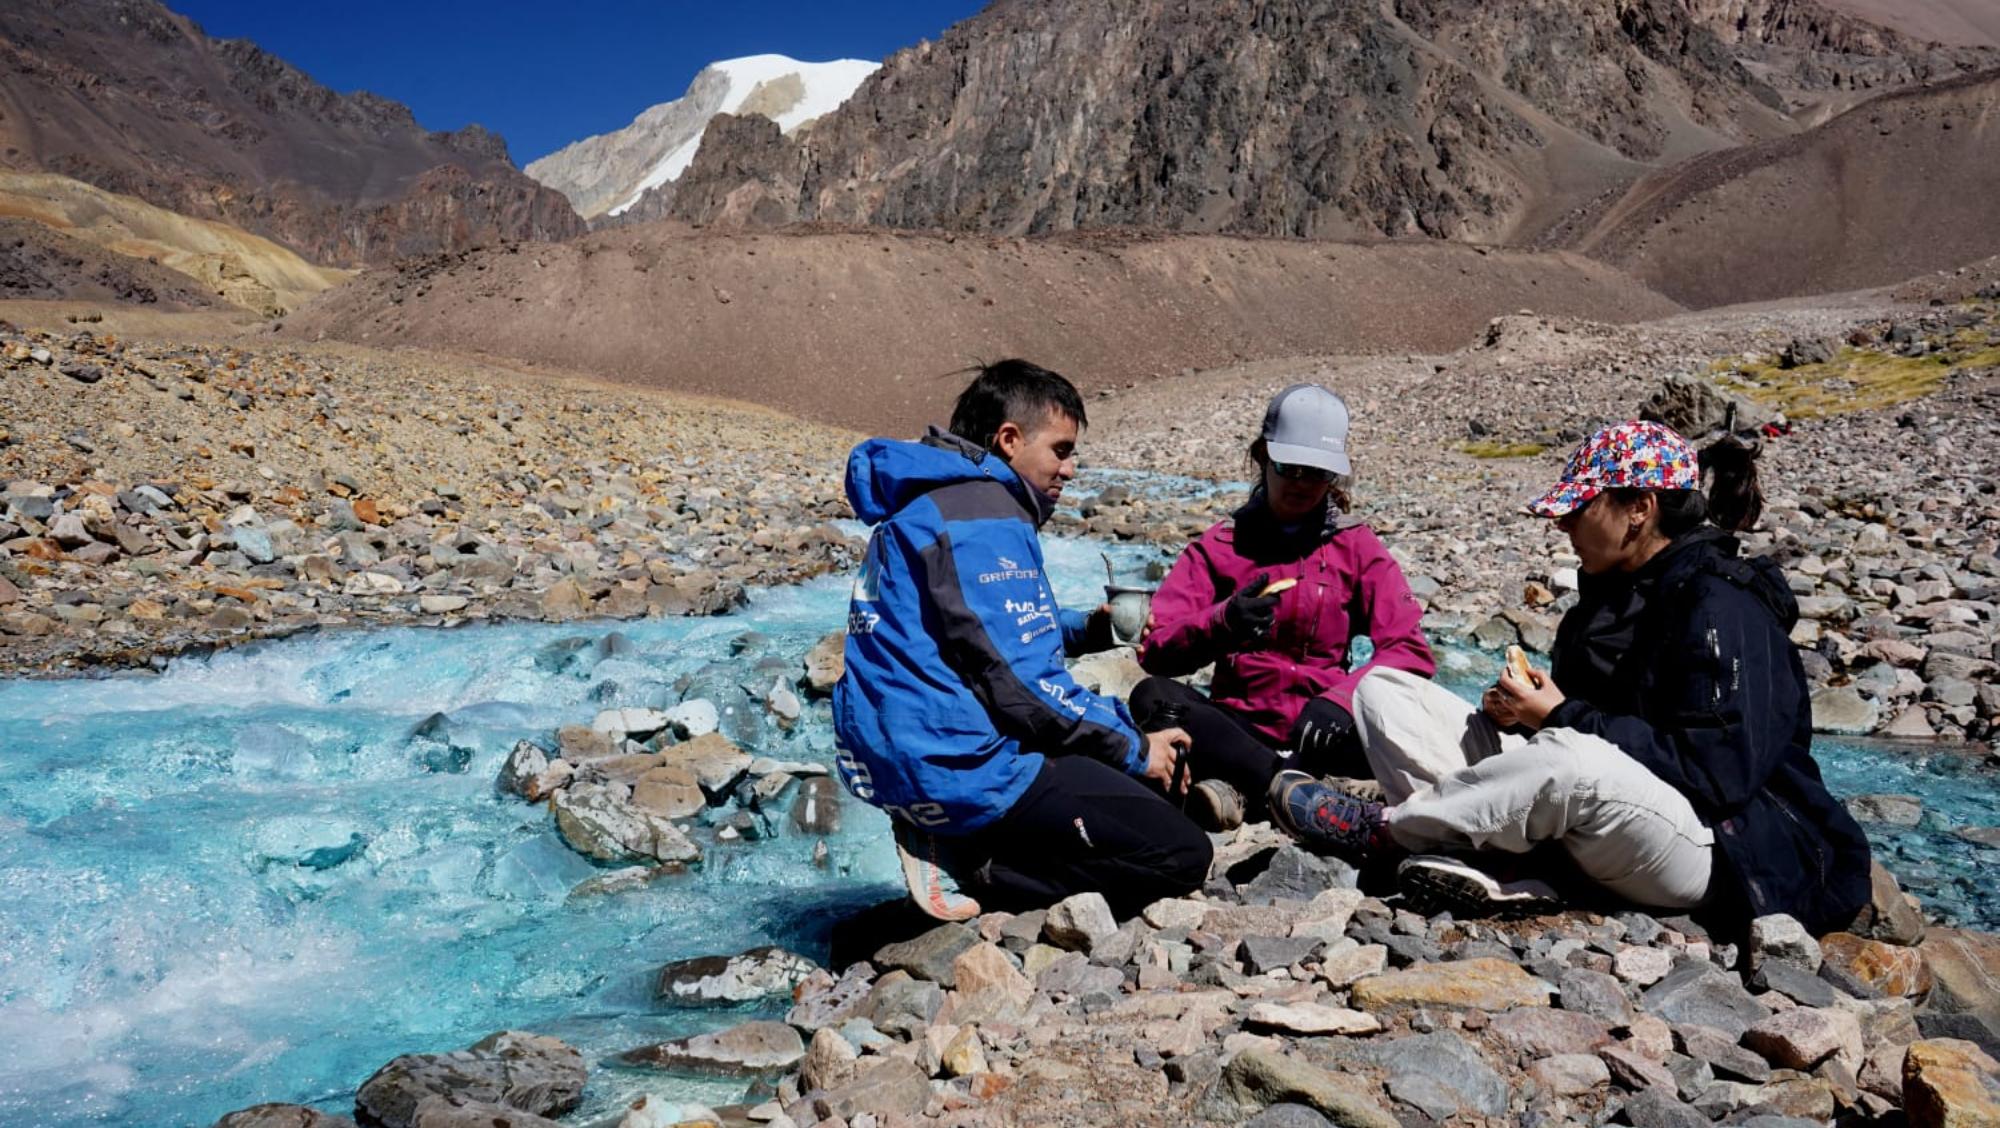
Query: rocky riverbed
(1281, 995)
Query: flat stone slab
(1705, 995)
(1543, 1032)
(1479, 984)
(746, 1050)
(1313, 1018)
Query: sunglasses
(1298, 472)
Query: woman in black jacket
(1669, 751)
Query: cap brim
(1565, 499)
(1308, 456)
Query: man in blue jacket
(957, 714)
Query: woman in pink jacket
(1283, 688)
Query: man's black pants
(1086, 826)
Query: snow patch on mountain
(827, 85)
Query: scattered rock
(825, 663)
(752, 1048)
(723, 980)
(282, 1116)
(525, 1072)
(1078, 922)
(598, 820)
(1259, 1076)
(1887, 968)
(1801, 1038)
(1949, 1083)
(932, 955)
(1702, 994)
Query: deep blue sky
(544, 74)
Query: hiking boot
(1328, 821)
(1215, 805)
(1435, 883)
(931, 886)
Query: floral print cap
(1634, 455)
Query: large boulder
(1697, 408)
(526, 1072)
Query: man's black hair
(1017, 392)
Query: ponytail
(1733, 500)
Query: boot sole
(1430, 890)
(925, 883)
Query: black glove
(1248, 615)
(1324, 738)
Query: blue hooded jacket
(956, 685)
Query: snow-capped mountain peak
(606, 174)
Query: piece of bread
(1276, 587)
(1517, 661)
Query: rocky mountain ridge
(134, 98)
(1442, 118)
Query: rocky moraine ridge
(158, 498)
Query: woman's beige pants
(1456, 782)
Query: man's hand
(1249, 615)
(1163, 749)
(1514, 703)
(1097, 636)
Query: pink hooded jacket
(1348, 585)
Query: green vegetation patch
(1494, 449)
(1856, 380)
(1862, 379)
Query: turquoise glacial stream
(243, 880)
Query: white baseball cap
(1306, 425)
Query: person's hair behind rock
(1013, 391)
(1733, 499)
